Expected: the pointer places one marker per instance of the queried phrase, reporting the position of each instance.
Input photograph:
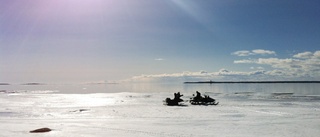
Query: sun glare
(92, 100)
(68, 7)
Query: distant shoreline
(253, 82)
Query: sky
(151, 40)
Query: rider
(198, 96)
(177, 97)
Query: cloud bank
(301, 66)
(253, 52)
(305, 64)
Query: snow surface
(144, 115)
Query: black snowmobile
(175, 101)
(199, 100)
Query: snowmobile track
(149, 133)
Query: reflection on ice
(28, 91)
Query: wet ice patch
(28, 91)
(6, 114)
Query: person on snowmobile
(177, 97)
(198, 97)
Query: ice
(143, 114)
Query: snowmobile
(206, 100)
(174, 102)
(171, 102)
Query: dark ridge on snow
(230, 82)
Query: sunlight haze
(59, 41)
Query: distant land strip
(230, 82)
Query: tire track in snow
(149, 133)
(275, 113)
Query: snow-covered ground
(143, 114)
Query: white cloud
(308, 55)
(203, 72)
(274, 62)
(302, 66)
(259, 68)
(247, 61)
(174, 77)
(221, 75)
(227, 75)
(254, 52)
(316, 54)
(303, 55)
(263, 52)
(278, 63)
(242, 53)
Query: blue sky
(105, 40)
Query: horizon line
(226, 82)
